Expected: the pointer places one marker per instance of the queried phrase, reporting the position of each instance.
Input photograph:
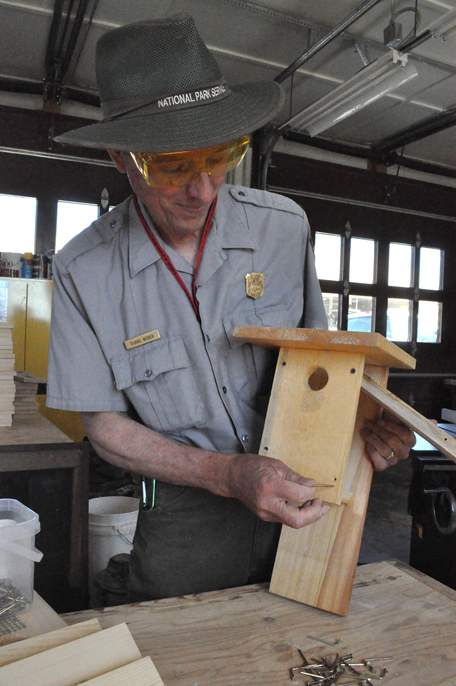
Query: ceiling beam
(333, 33)
(416, 132)
(365, 152)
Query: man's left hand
(387, 441)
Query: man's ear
(118, 159)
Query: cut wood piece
(38, 644)
(424, 427)
(377, 349)
(74, 662)
(140, 673)
(312, 412)
(39, 618)
(302, 558)
(316, 565)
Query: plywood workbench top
(32, 430)
(249, 636)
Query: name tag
(142, 339)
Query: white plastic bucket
(18, 526)
(112, 524)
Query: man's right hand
(274, 491)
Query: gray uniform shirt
(196, 384)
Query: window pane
(429, 322)
(400, 265)
(360, 313)
(430, 269)
(18, 215)
(72, 218)
(327, 256)
(398, 320)
(331, 302)
(362, 260)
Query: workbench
(251, 637)
(48, 472)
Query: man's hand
(273, 491)
(387, 441)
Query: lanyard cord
(166, 259)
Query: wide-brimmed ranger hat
(162, 91)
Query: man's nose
(201, 187)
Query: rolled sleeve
(79, 376)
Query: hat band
(176, 101)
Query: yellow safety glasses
(179, 168)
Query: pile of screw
(11, 599)
(339, 670)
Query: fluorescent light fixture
(445, 26)
(382, 76)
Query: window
(405, 304)
(362, 260)
(361, 316)
(18, 215)
(72, 218)
(400, 265)
(328, 249)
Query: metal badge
(254, 285)
(142, 339)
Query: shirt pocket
(251, 366)
(159, 382)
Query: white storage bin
(18, 526)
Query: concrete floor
(388, 526)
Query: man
(145, 302)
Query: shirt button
(245, 438)
(224, 389)
(148, 373)
(242, 194)
(208, 338)
(113, 224)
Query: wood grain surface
(38, 644)
(31, 430)
(316, 565)
(436, 436)
(75, 662)
(39, 618)
(377, 349)
(249, 636)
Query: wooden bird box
(326, 385)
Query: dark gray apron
(194, 541)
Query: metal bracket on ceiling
(361, 52)
(271, 135)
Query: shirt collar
(229, 231)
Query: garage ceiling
(251, 40)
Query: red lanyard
(191, 296)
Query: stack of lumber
(7, 389)
(26, 390)
(82, 653)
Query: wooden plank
(74, 662)
(39, 618)
(337, 584)
(316, 565)
(37, 644)
(310, 429)
(377, 349)
(424, 427)
(140, 673)
(249, 636)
